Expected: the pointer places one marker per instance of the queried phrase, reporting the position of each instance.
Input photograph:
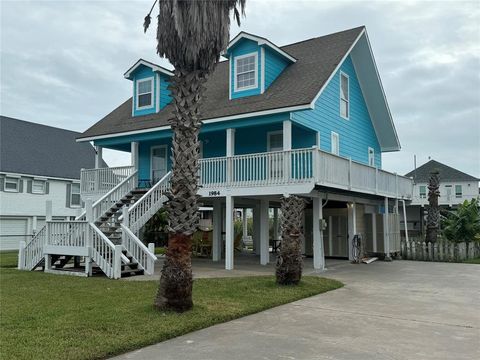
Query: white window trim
(152, 103)
(254, 86)
(332, 136)
(461, 191)
(340, 96)
(420, 192)
(72, 205)
(270, 133)
(373, 153)
(151, 159)
(11, 179)
(44, 182)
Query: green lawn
(47, 316)
(473, 261)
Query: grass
(160, 250)
(45, 316)
(473, 261)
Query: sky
(62, 63)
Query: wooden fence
(443, 250)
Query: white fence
(442, 250)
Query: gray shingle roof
(35, 149)
(446, 173)
(316, 58)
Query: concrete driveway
(397, 310)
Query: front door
(158, 163)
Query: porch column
(352, 227)
(256, 229)
(275, 223)
(217, 230)
(229, 235)
(48, 217)
(98, 157)
(318, 252)
(287, 146)
(134, 154)
(264, 233)
(230, 151)
(386, 232)
(374, 231)
(244, 223)
(405, 220)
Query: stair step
(132, 265)
(127, 273)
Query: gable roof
(296, 88)
(154, 67)
(446, 173)
(260, 41)
(40, 150)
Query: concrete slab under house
(308, 119)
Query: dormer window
(144, 93)
(246, 74)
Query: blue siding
(165, 94)
(242, 48)
(357, 133)
(274, 65)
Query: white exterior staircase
(105, 235)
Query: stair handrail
(108, 242)
(98, 202)
(31, 255)
(148, 201)
(138, 250)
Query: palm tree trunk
(175, 290)
(289, 261)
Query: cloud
(63, 63)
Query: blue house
(309, 118)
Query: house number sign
(214, 193)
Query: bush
(463, 224)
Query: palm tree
(191, 35)
(433, 216)
(289, 261)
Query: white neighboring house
(455, 188)
(38, 163)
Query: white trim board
(260, 41)
(152, 66)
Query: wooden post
(98, 157)
(405, 219)
(117, 262)
(134, 154)
(230, 152)
(318, 252)
(275, 223)
(287, 147)
(256, 229)
(264, 233)
(374, 232)
(217, 230)
(244, 224)
(229, 234)
(89, 240)
(386, 233)
(21, 255)
(150, 262)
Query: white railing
(30, 254)
(301, 166)
(105, 203)
(147, 206)
(100, 181)
(67, 233)
(263, 169)
(138, 250)
(106, 255)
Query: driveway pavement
(398, 310)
